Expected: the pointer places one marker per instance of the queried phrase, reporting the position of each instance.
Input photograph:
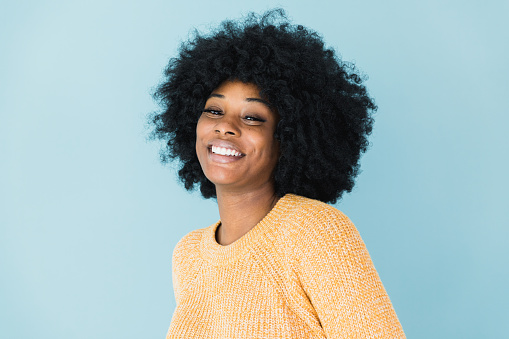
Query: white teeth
(225, 151)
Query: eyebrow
(215, 95)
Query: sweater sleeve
(340, 280)
(185, 262)
(177, 263)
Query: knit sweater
(301, 272)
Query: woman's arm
(341, 282)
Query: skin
(236, 117)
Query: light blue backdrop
(89, 217)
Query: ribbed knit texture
(302, 272)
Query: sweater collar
(219, 255)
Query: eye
(252, 118)
(213, 112)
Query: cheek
(199, 147)
(275, 151)
(199, 127)
(269, 147)
(202, 127)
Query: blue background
(89, 217)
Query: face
(235, 141)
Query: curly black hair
(325, 111)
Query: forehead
(237, 89)
(240, 92)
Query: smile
(225, 151)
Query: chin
(220, 178)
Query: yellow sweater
(302, 272)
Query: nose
(227, 126)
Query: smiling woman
(271, 123)
(235, 141)
(235, 144)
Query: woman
(267, 120)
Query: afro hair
(324, 109)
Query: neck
(241, 211)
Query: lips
(225, 151)
(224, 147)
(222, 151)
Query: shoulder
(187, 252)
(316, 227)
(188, 244)
(186, 257)
(314, 216)
(186, 260)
